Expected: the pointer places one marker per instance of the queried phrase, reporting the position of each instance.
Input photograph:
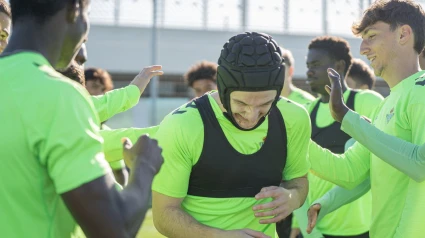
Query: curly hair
(74, 72)
(361, 73)
(395, 13)
(201, 70)
(100, 75)
(337, 48)
(41, 10)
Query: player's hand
(245, 233)
(279, 208)
(336, 102)
(294, 232)
(144, 77)
(313, 213)
(145, 153)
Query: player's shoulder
(369, 95)
(417, 92)
(304, 94)
(185, 116)
(292, 112)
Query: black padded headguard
(249, 62)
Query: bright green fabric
(397, 208)
(359, 211)
(300, 221)
(181, 136)
(300, 96)
(116, 101)
(338, 197)
(407, 157)
(112, 140)
(49, 131)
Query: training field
(148, 229)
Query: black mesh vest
(223, 172)
(331, 137)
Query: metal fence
(277, 16)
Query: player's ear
(405, 34)
(73, 10)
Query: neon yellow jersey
(359, 211)
(300, 96)
(397, 207)
(116, 101)
(182, 136)
(112, 140)
(49, 131)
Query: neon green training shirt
(359, 211)
(397, 206)
(300, 96)
(182, 136)
(49, 131)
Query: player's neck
(287, 89)
(400, 68)
(30, 36)
(218, 101)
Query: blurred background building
(127, 35)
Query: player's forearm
(338, 197)
(116, 101)
(112, 146)
(404, 156)
(174, 222)
(298, 188)
(134, 199)
(335, 168)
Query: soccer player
(360, 76)
(227, 153)
(325, 52)
(76, 72)
(392, 39)
(5, 24)
(98, 81)
(53, 173)
(202, 77)
(289, 90)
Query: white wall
(139, 116)
(128, 49)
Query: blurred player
(5, 24)
(323, 53)
(360, 76)
(289, 90)
(53, 173)
(202, 77)
(393, 37)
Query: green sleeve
(346, 170)
(173, 178)
(71, 140)
(117, 165)
(366, 102)
(298, 134)
(300, 215)
(406, 157)
(112, 140)
(116, 101)
(338, 197)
